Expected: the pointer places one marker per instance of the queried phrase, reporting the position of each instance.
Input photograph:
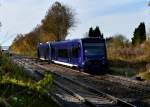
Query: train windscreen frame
(94, 47)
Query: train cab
(94, 54)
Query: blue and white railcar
(85, 54)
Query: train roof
(71, 41)
(78, 40)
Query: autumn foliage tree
(26, 44)
(58, 20)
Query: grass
(9, 69)
(144, 75)
(22, 96)
(126, 72)
(19, 90)
(128, 60)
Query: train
(85, 54)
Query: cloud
(114, 17)
(20, 16)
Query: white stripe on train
(63, 63)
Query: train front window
(94, 49)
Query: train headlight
(102, 60)
(83, 63)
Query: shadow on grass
(126, 68)
(128, 64)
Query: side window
(63, 53)
(75, 51)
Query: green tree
(139, 35)
(95, 33)
(143, 32)
(91, 32)
(59, 19)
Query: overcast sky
(112, 16)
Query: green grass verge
(144, 75)
(14, 95)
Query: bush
(18, 93)
(124, 55)
(144, 75)
(129, 53)
(8, 68)
(19, 90)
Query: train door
(53, 52)
(75, 54)
(49, 53)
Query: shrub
(19, 90)
(144, 75)
(128, 56)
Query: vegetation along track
(63, 96)
(83, 92)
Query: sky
(112, 16)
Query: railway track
(63, 96)
(137, 86)
(84, 95)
